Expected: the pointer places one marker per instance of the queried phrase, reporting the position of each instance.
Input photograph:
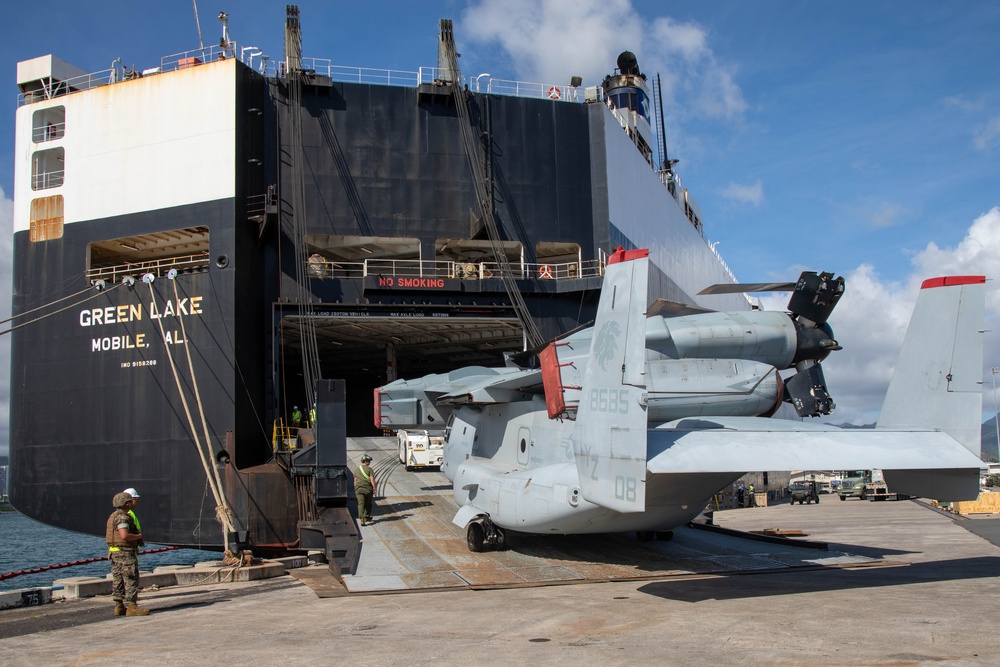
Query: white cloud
(551, 41)
(874, 214)
(747, 194)
(885, 214)
(987, 135)
(871, 318)
(964, 104)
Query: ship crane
(482, 179)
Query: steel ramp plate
(414, 546)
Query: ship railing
(158, 267)
(53, 88)
(258, 205)
(550, 91)
(48, 132)
(284, 438)
(47, 179)
(347, 74)
(185, 59)
(413, 268)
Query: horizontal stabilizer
(932, 463)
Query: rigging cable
(307, 325)
(223, 506)
(221, 513)
(43, 306)
(54, 312)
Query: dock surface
(928, 597)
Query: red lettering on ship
(423, 283)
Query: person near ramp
(364, 488)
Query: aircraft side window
(524, 446)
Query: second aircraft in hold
(636, 422)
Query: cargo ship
(209, 246)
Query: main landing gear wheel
(483, 534)
(474, 536)
(644, 535)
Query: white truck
(877, 489)
(420, 448)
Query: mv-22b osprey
(636, 422)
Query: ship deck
(414, 546)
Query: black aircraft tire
(644, 535)
(843, 497)
(474, 536)
(664, 535)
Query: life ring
(545, 271)
(554, 93)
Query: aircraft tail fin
(609, 438)
(937, 383)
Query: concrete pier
(929, 597)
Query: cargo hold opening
(185, 250)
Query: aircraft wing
(916, 462)
(501, 388)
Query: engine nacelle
(679, 388)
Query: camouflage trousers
(124, 575)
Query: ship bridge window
(633, 100)
(46, 219)
(48, 168)
(185, 250)
(48, 124)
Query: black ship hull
(340, 234)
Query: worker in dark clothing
(123, 538)
(364, 488)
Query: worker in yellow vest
(123, 538)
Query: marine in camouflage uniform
(123, 539)
(364, 489)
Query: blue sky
(856, 137)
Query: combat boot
(136, 610)
(119, 608)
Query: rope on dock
(36, 570)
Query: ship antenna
(197, 23)
(224, 42)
